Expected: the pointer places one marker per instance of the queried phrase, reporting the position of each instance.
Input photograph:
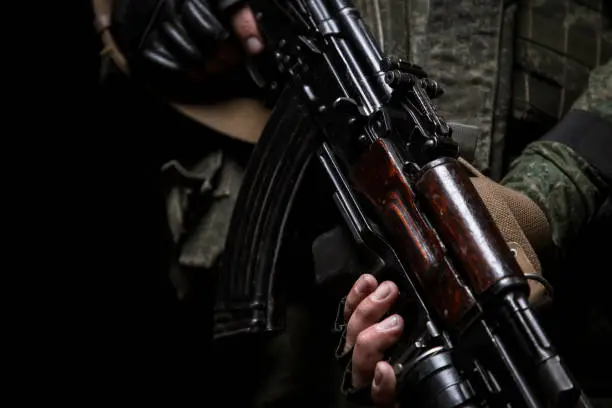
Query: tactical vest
(498, 61)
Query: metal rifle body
(410, 204)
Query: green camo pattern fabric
(598, 96)
(563, 184)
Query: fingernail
(362, 283)
(377, 377)
(388, 324)
(382, 292)
(253, 45)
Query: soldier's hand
(370, 335)
(195, 37)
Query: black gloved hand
(188, 49)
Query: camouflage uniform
(563, 184)
(557, 178)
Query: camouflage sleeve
(568, 172)
(598, 96)
(564, 185)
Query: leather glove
(187, 49)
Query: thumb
(245, 27)
(383, 385)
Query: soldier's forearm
(562, 183)
(568, 172)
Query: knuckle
(365, 311)
(386, 340)
(363, 360)
(362, 340)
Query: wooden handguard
(522, 224)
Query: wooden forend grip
(465, 226)
(378, 176)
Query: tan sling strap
(522, 223)
(240, 118)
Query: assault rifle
(410, 205)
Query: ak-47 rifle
(409, 203)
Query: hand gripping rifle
(473, 339)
